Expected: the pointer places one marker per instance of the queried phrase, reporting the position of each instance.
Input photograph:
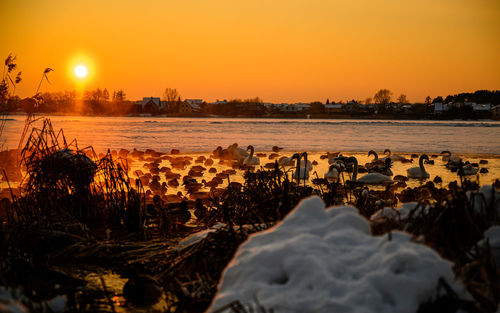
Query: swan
(333, 173)
(237, 153)
(395, 157)
(306, 163)
(386, 169)
(451, 159)
(300, 172)
(419, 172)
(372, 178)
(251, 160)
(223, 154)
(339, 160)
(446, 155)
(375, 161)
(375, 155)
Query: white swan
(300, 172)
(372, 178)
(419, 172)
(451, 159)
(251, 160)
(333, 173)
(237, 153)
(386, 169)
(307, 164)
(395, 157)
(303, 174)
(375, 161)
(375, 179)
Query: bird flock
(164, 173)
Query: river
(313, 135)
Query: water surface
(204, 134)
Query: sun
(80, 71)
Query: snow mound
(8, 303)
(319, 260)
(492, 235)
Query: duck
(419, 172)
(469, 169)
(272, 156)
(371, 178)
(285, 161)
(300, 172)
(277, 149)
(141, 289)
(250, 159)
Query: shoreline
(287, 117)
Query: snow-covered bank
(319, 260)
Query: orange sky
(279, 50)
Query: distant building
(296, 107)
(349, 106)
(220, 102)
(405, 108)
(194, 101)
(333, 107)
(190, 107)
(152, 102)
(440, 108)
(481, 107)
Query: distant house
(440, 108)
(349, 106)
(154, 103)
(294, 108)
(333, 107)
(406, 108)
(276, 108)
(190, 106)
(194, 101)
(481, 107)
(300, 107)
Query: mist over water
(205, 134)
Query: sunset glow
(81, 71)
(277, 50)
